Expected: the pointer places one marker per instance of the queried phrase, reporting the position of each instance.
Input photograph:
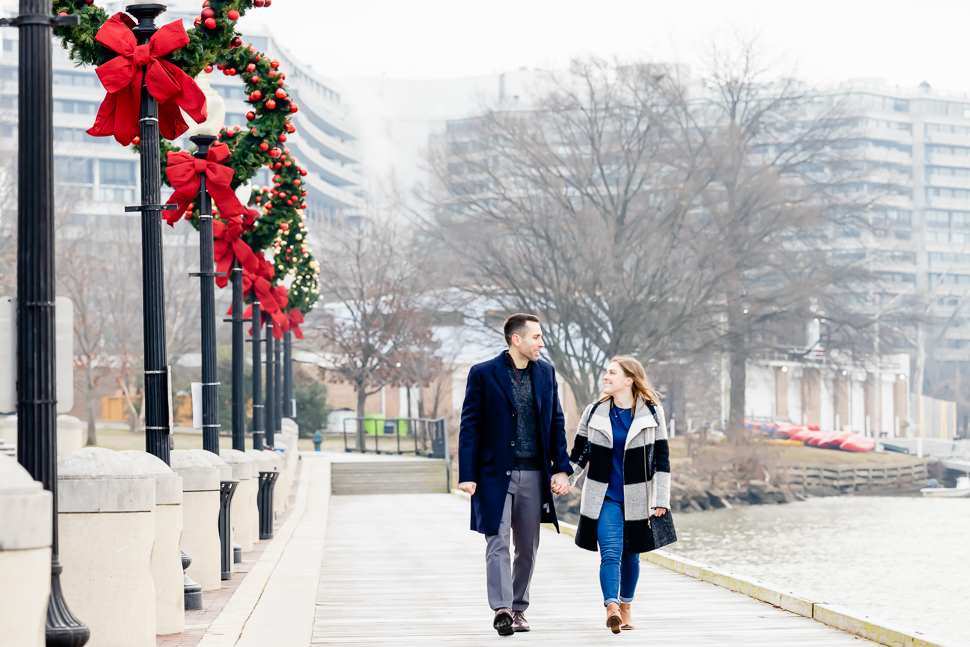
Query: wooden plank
(416, 577)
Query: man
(511, 457)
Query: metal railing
(418, 436)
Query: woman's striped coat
(641, 491)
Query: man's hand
(467, 486)
(560, 483)
(659, 512)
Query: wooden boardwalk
(404, 569)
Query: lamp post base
(63, 629)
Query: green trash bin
(373, 424)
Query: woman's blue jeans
(619, 570)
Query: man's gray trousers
(508, 584)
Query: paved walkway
(405, 570)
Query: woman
(622, 439)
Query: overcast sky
(903, 41)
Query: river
(902, 560)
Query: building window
(117, 172)
(75, 107)
(78, 80)
(73, 170)
(937, 236)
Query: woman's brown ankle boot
(613, 617)
(626, 617)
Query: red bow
(269, 307)
(122, 78)
(183, 172)
(229, 246)
(295, 319)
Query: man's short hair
(515, 324)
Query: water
(905, 561)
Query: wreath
(214, 43)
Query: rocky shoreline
(691, 492)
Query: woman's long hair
(642, 388)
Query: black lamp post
(288, 407)
(278, 374)
(271, 398)
(37, 386)
(238, 358)
(259, 419)
(206, 274)
(157, 422)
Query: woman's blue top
(621, 420)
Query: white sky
(903, 41)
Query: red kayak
(834, 440)
(857, 443)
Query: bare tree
(575, 209)
(776, 154)
(374, 319)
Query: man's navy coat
(486, 441)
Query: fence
(852, 478)
(418, 436)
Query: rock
(716, 499)
(764, 493)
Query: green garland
(281, 226)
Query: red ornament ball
(259, 199)
(282, 137)
(297, 182)
(254, 79)
(290, 128)
(278, 165)
(272, 73)
(284, 226)
(303, 172)
(288, 164)
(294, 108)
(271, 104)
(267, 3)
(221, 66)
(253, 131)
(205, 3)
(88, 1)
(197, 21)
(210, 23)
(258, 3)
(281, 94)
(286, 150)
(280, 83)
(251, 67)
(208, 13)
(303, 206)
(136, 140)
(264, 147)
(208, 69)
(275, 64)
(232, 71)
(256, 95)
(233, 14)
(250, 115)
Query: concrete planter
(243, 510)
(25, 555)
(70, 434)
(106, 525)
(166, 556)
(200, 516)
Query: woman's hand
(659, 512)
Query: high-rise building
(105, 175)
(916, 148)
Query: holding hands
(560, 483)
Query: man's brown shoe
(519, 623)
(503, 622)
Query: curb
(840, 617)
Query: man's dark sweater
(528, 453)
